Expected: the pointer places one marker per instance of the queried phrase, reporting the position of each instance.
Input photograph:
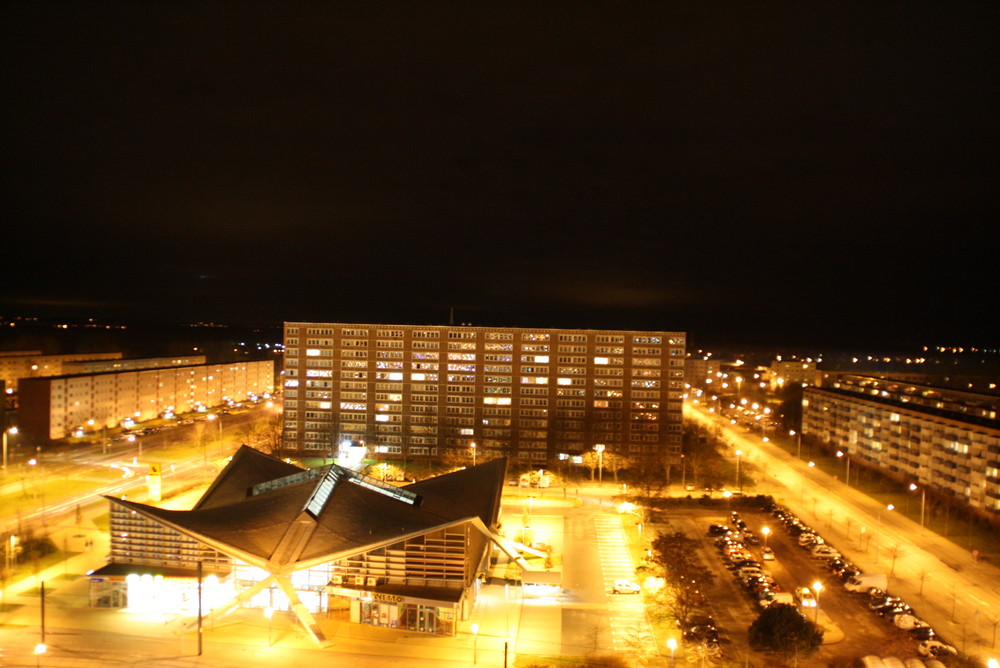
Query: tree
(615, 463)
(782, 629)
(591, 461)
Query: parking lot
(852, 628)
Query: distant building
(533, 395)
(56, 407)
(702, 372)
(18, 364)
(940, 439)
(325, 543)
(785, 373)
(130, 364)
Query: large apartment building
(533, 395)
(56, 407)
(938, 439)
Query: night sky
(792, 173)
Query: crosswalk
(630, 630)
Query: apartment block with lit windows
(943, 440)
(534, 395)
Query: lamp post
(727, 494)
(629, 508)
(269, 613)
(13, 432)
(672, 644)
(847, 475)
(600, 462)
(923, 499)
(475, 638)
(767, 532)
(798, 443)
(217, 418)
(473, 446)
(817, 587)
(739, 480)
(878, 532)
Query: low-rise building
(318, 542)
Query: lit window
(600, 360)
(312, 352)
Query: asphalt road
(959, 597)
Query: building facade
(56, 407)
(948, 441)
(326, 544)
(532, 395)
(15, 365)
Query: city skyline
(777, 174)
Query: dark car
(717, 529)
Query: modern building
(328, 544)
(128, 364)
(533, 395)
(943, 440)
(56, 407)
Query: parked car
(767, 554)
(625, 587)
(805, 597)
(907, 622)
(935, 648)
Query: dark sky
(768, 172)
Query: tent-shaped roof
(304, 518)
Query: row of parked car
(872, 585)
(731, 541)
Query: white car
(625, 587)
(935, 648)
(805, 597)
(907, 622)
(767, 554)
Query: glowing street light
(878, 532)
(269, 613)
(739, 481)
(767, 532)
(923, 499)
(13, 432)
(475, 638)
(727, 494)
(672, 644)
(847, 474)
(817, 587)
(473, 446)
(600, 462)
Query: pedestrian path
(630, 630)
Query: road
(959, 597)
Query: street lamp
(817, 587)
(473, 446)
(629, 508)
(13, 432)
(40, 649)
(269, 613)
(672, 644)
(739, 481)
(923, 499)
(878, 532)
(600, 462)
(213, 416)
(798, 446)
(847, 475)
(727, 494)
(475, 638)
(767, 532)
